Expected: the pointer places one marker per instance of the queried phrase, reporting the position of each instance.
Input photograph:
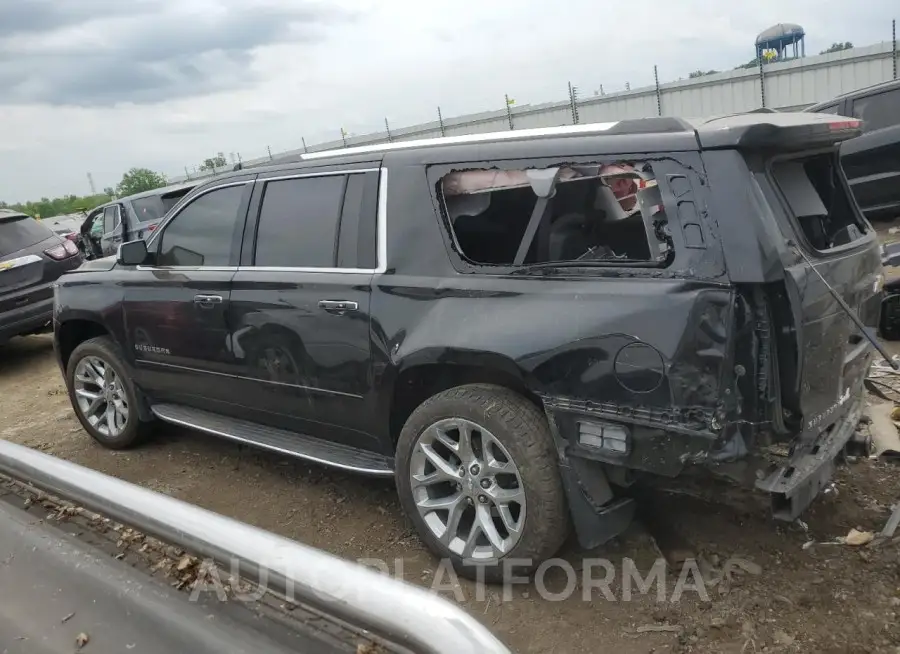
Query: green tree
(47, 208)
(214, 162)
(138, 180)
(837, 47)
(701, 73)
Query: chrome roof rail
(402, 613)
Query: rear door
(833, 356)
(175, 306)
(300, 303)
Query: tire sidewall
(433, 411)
(104, 349)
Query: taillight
(844, 124)
(150, 228)
(62, 251)
(72, 237)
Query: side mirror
(132, 253)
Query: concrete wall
(789, 85)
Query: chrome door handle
(338, 306)
(207, 301)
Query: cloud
(68, 57)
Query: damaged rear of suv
(516, 326)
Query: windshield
(20, 232)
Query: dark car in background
(127, 219)
(872, 160)
(32, 257)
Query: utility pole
(91, 184)
(658, 94)
(387, 128)
(573, 102)
(305, 149)
(509, 104)
(270, 153)
(344, 137)
(441, 122)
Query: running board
(286, 442)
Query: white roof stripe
(564, 130)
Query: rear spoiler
(783, 132)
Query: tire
(126, 433)
(510, 420)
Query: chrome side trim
(263, 180)
(291, 269)
(311, 389)
(565, 130)
(273, 448)
(405, 614)
(18, 262)
(381, 221)
(180, 268)
(150, 362)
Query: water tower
(782, 39)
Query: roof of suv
(875, 88)
(761, 128)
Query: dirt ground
(780, 597)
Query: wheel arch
(427, 373)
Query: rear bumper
(811, 466)
(26, 320)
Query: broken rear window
(814, 190)
(596, 214)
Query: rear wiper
(865, 331)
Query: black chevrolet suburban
(517, 327)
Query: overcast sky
(103, 85)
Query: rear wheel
(103, 395)
(477, 475)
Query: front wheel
(102, 394)
(477, 475)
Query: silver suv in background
(128, 219)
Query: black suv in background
(516, 326)
(872, 161)
(127, 219)
(32, 257)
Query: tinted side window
(298, 222)
(110, 219)
(877, 111)
(202, 233)
(831, 109)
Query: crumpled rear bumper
(811, 465)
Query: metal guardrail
(404, 614)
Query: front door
(175, 306)
(112, 230)
(300, 311)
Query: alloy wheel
(101, 396)
(468, 489)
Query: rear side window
(202, 233)
(147, 209)
(299, 222)
(830, 109)
(878, 111)
(598, 214)
(20, 232)
(821, 206)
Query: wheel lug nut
(462, 471)
(482, 499)
(475, 469)
(469, 501)
(485, 483)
